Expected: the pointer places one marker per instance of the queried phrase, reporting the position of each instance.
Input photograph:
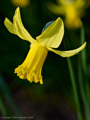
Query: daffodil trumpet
(51, 38)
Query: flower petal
(9, 25)
(80, 3)
(64, 2)
(17, 27)
(21, 3)
(56, 8)
(68, 53)
(52, 36)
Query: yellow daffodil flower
(51, 38)
(73, 10)
(20, 3)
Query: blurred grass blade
(3, 108)
(83, 53)
(82, 90)
(80, 117)
(84, 65)
(73, 82)
(83, 78)
(7, 94)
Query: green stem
(74, 89)
(4, 108)
(82, 64)
(8, 96)
(82, 91)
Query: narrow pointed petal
(9, 25)
(80, 3)
(64, 2)
(56, 8)
(68, 53)
(21, 3)
(52, 36)
(17, 27)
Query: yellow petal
(52, 36)
(65, 2)
(21, 3)
(17, 27)
(80, 3)
(56, 8)
(9, 25)
(73, 23)
(68, 53)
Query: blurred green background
(54, 100)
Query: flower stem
(82, 68)
(84, 65)
(74, 89)
(82, 91)
(4, 108)
(8, 96)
